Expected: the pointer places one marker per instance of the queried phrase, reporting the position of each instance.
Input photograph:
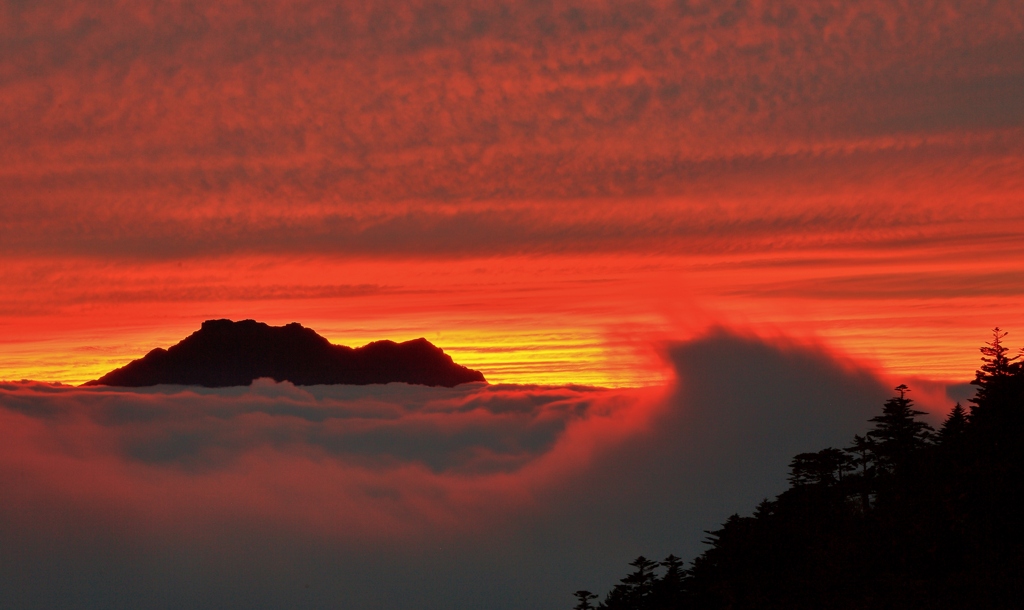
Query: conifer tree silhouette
(997, 364)
(673, 569)
(668, 590)
(955, 425)
(897, 432)
(634, 591)
(583, 598)
(998, 380)
(826, 467)
(862, 453)
(642, 580)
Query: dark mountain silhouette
(225, 353)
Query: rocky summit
(225, 353)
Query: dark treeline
(904, 517)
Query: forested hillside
(905, 516)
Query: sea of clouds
(399, 496)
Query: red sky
(772, 211)
(547, 190)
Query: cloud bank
(378, 497)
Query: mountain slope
(226, 353)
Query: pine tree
(995, 380)
(955, 425)
(668, 590)
(897, 432)
(825, 467)
(673, 568)
(633, 591)
(765, 509)
(583, 598)
(642, 579)
(862, 454)
(996, 366)
(994, 356)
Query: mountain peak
(228, 353)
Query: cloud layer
(498, 497)
(176, 129)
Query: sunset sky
(544, 189)
(557, 193)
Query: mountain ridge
(225, 353)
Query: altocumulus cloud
(170, 130)
(398, 496)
